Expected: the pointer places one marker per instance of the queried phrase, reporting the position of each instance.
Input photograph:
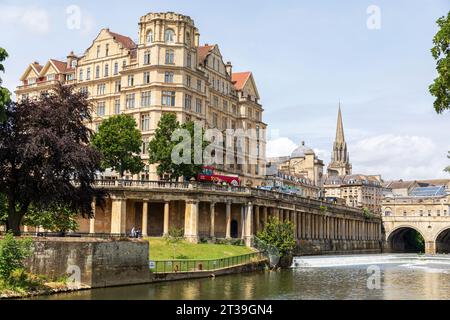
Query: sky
(306, 56)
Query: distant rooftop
(433, 191)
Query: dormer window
(149, 37)
(169, 36)
(51, 77)
(32, 81)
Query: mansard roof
(353, 179)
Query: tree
(279, 235)
(56, 218)
(174, 237)
(193, 169)
(5, 95)
(45, 157)
(120, 143)
(162, 145)
(440, 89)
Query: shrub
(277, 236)
(13, 252)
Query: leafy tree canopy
(45, 157)
(120, 141)
(161, 147)
(440, 89)
(56, 218)
(279, 235)
(5, 95)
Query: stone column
(228, 220)
(92, 219)
(191, 221)
(145, 219)
(212, 230)
(257, 218)
(166, 217)
(265, 216)
(118, 216)
(248, 218)
(295, 221)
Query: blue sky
(305, 55)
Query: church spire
(340, 127)
(340, 161)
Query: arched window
(169, 36)
(116, 68)
(107, 70)
(81, 75)
(97, 72)
(149, 37)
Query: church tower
(340, 160)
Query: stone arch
(402, 239)
(442, 240)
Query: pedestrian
(133, 233)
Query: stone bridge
(206, 211)
(435, 230)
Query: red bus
(210, 174)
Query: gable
(250, 87)
(30, 72)
(118, 44)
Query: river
(350, 277)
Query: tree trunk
(14, 220)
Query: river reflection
(419, 280)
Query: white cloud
(280, 147)
(32, 19)
(397, 156)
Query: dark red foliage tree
(45, 157)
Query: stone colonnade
(228, 219)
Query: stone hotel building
(166, 70)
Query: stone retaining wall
(96, 262)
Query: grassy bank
(160, 250)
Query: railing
(171, 185)
(199, 186)
(199, 265)
(72, 235)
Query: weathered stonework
(100, 262)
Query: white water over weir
(376, 259)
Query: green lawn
(159, 250)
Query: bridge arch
(406, 239)
(442, 240)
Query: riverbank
(100, 263)
(45, 290)
(416, 279)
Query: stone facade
(423, 206)
(233, 213)
(95, 263)
(358, 191)
(302, 163)
(167, 70)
